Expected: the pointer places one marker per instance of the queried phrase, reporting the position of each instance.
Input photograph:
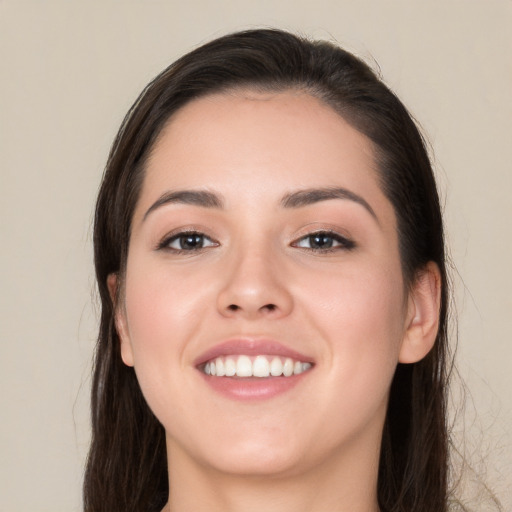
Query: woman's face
(262, 244)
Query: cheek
(362, 321)
(161, 308)
(362, 316)
(163, 314)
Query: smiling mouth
(243, 366)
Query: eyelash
(342, 242)
(165, 244)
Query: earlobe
(422, 315)
(120, 320)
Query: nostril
(268, 307)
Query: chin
(248, 454)
(256, 461)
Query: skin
(315, 447)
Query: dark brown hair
(127, 467)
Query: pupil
(321, 241)
(191, 241)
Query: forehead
(252, 145)
(248, 121)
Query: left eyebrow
(315, 195)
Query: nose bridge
(253, 284)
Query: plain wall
(69, 72)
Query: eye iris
(191, 241)
(320, 241)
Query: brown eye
(190, 242)
(320, 241)
(324, 241)
(187, 242)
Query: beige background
(70, 70)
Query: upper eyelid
(186, 231)
(325, 231)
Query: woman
(270, 259)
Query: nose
(254, 286)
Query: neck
(331, 486)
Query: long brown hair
(127, 467)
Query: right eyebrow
(195, 197)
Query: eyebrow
(315, 195)
(194, 197)
(297, 199)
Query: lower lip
(253, 388)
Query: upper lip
(250, 347)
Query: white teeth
(276, 367)
(288, 367)
(259, 366)
(219, 366)
(230, 367)
(306, 366)
(243, 367)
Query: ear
(422, 315)
(120, 320)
